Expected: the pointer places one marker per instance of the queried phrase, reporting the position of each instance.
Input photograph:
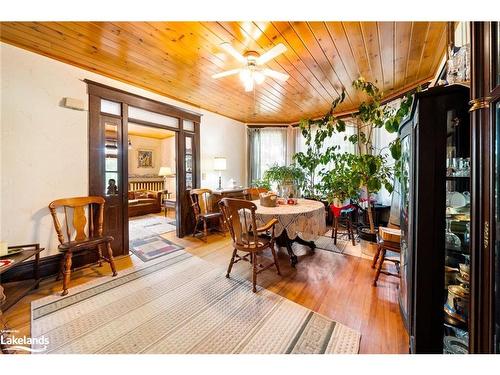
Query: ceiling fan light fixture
(245, 75)
(248, 85)
(259, 77)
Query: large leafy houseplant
(315, 156)
(336, 183)
(285, 177)
(370, 169)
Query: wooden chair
(239, 216)
(93, 241)
(386, 241)
(252, 194)
(201, 208)
(342, 217)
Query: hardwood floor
(337, 286)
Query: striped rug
(182, 304)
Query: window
(381, 140)
(152, 117)
(267, 146)
(113, 108)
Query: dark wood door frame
(98, 91)
(484, 92)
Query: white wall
(144, 143)
(44, 147)
(168, 160)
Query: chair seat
(85, 244)
(211, 215)
(262, 243)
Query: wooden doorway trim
(98, 91)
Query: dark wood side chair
(342, 217)
(252, 194)
(95, 239)
(239, 216)
(387, 240)
(200, 203)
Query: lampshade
(165, 171)
(220, 164)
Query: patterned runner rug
(149, 225)
(182, 304)
(152, 247)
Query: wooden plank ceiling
(177, 59)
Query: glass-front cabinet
(435, 216)
(457, 233)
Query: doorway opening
(152, 190)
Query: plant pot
(368, 241)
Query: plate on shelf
(455, 199)
(455, 345)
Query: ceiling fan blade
(271, 54)
(226, 73)
(274, 74)
(232, 51)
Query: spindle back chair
(239, 216)
(90, 239)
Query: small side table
(23, 287)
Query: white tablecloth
(306, 219)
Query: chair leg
(67, 272)
(205, 231)
(99, 252)
(276, 263)
(379, 268)
(231, 263)
(196, 227)
(254, 272)
(351, 232)
(111, 259)
(336, 230)
(61, 269)
(375, 257)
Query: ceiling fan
(252, 71)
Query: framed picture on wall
(145, 158)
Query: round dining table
(302, 223)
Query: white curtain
(381, 140)
(266, 147)
(272, 148)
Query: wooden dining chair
(200, 203)
(82, 241)
(239, 216)
(388, 239)
(252, 194)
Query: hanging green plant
(314, 157)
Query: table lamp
(165, 172)
(220, 165)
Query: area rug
(182, 305)
(152, 247)
(327, 243)
(148, 225)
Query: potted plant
(314, 157)
(288, 179)
(370, 169)
(261, 183)
(337, 184)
